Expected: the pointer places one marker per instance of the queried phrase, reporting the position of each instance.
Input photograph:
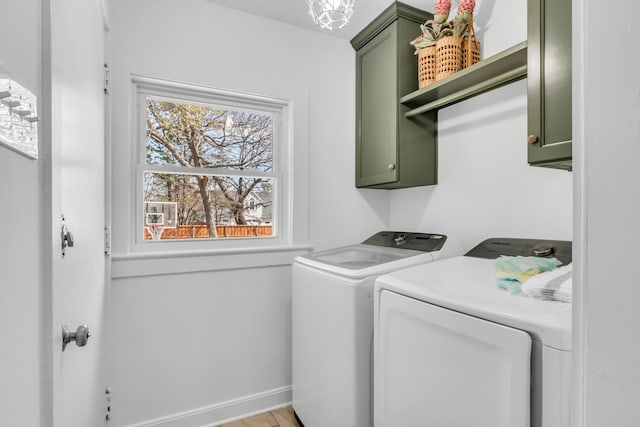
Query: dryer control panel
(495, 247)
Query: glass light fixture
(331, 14)
(18, 116)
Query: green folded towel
(512, 272)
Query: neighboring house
(265, 206)
(254, 205)
(257, 210)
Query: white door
(438, 367)
(79, 288)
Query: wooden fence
(199, 231)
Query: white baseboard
(218, 413)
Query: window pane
(197, 206)
(191, 135)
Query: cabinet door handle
(532, 139)
(391, 166)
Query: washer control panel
(425, 242)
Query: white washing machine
(454, 350)
(332, 324)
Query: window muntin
(197, 152)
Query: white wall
(607, 144)
(186, 346)
(19, 248)
(195, 342)
(485, 187)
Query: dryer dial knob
(544, 249)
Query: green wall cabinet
(549, 83)
(392, 151)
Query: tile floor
(277, 418)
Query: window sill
(155, 264)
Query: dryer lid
(467, 284)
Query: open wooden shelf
(500, 69)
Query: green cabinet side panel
(549, 83)
(391, 150)
(417, 136)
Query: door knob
(80, 336)
(391, 166)
(532, 139)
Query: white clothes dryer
(332, 322)
(452, 349)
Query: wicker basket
(426, 66)
(470, 48)
(448, 56)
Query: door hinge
(107, 79)
(107, 415)
(107, 240)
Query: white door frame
(579, 213)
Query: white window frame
(281, 174)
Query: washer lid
(381, 253)
(467, 284)
(363, 260)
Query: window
(210, 164)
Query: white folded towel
(554, 285)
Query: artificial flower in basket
(463, 27)
(440, 47)
(434, 29)
(463, 17)
(459, 49)
(425, 44)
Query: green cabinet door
(391, 150)
(549, 83)
(376, 106)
